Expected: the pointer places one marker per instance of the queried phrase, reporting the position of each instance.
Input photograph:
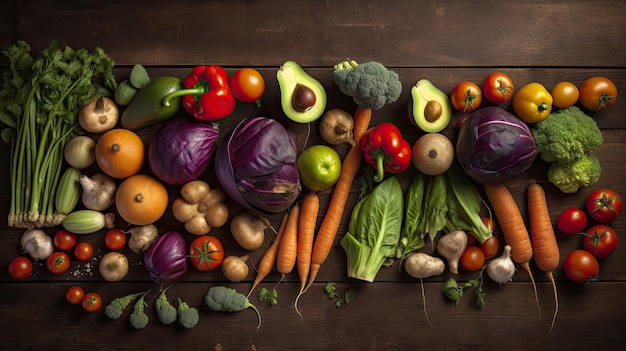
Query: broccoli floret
(569, 177)
(187, 316)
(224, 299)
(371, 85)
(165, 310)
(566, 135)
(116, 307)
(139, 319)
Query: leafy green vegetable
(374, 230)
(411, 239)
(435, 206)
(268, 296)
(453, 291)
(39, 103)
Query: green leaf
(268, 296)
(350, 296)
(410, 237)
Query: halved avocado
(430, 108)
(302, 97)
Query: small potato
(248, 230)
(422, 265)
(235, 268)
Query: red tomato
(498, 88)
(490, 247)
(91, 302)
(83, 251)
(580, 266)
(472, 258)
(571, 221)
(598, 93)
(604, 205)
(58, 263)
(247, 84)
(601, 240)
(206, 253)
(20, 267)
(64, 240)
(466, 97)
(471, 239)
(115, 239)
(74, 294)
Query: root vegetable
(98, 191)
(235, 268)
(37, 244)
(433, 154)
(200, 207)
(336, 127)
(248, 229)
(141, 237)
(501, 269)
(451, 247)
(113, 266)
(80, 152)
(422, 265)
(100, 115)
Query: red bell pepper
(384, 148)
(206, 93)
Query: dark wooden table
(444, 41)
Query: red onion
(166, 260)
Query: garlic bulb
(37, 244)
(502, 269)
(98, 191)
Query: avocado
(147, 108)
(302, 97)
(430, 108)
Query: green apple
(319, 167)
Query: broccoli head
(569, 177)
(139, 319)
(116, 307)
(187, 316)
(371, 85)
(566, 135)
(224, 299)
(165, 311)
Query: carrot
(287, 251)
(513, 227)
(332, 219)
(545, 247)
(269, 257)
(306, 231)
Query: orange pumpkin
(120, 153)
(141, 199)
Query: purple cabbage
(182, 149)
(256, 165)
(166, 259)
(494, 145)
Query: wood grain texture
(443, 41)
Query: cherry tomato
(471, 239)
(74, 294)
(564, 94)
(490, 247)
(498, 87)
(598, 93)
(206, 253)
(247, 84)
(91, 302)
(472, 258)
(571, 221)
(83, 251)
(580, 266)
(115, 239)
(58, 262)
(604, 205)
(466, 96)
(64, 240)
(20, 267)
(601, 240)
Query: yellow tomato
(565, 94)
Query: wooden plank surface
(444, 41)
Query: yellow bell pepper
(532, 103)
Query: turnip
(336, 127)
(113, 266)
(422, 265)
(248, 229)
(433, 154)
(235, 268)
(451, 247)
